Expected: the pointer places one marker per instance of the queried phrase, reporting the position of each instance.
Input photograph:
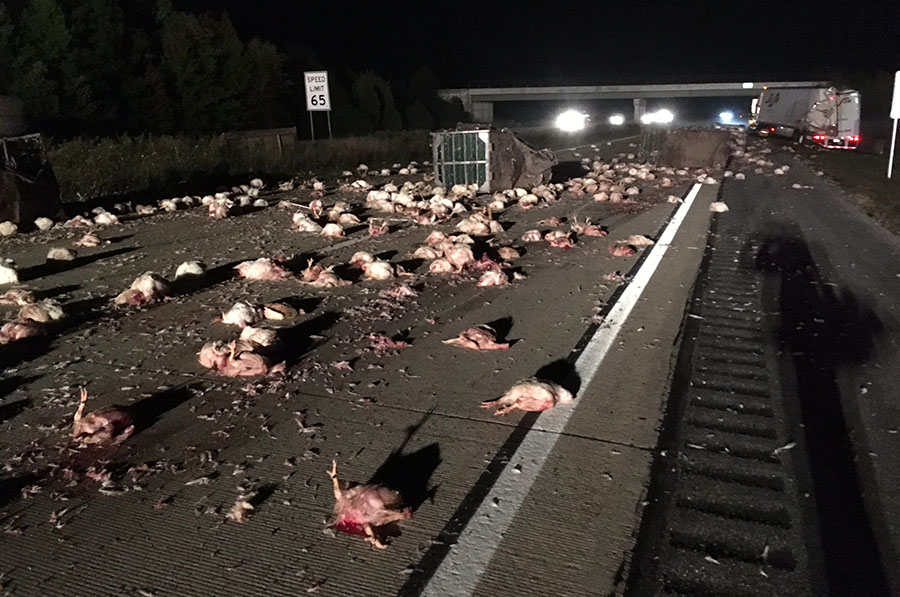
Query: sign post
(317, 97)
(895, 114)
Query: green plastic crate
(462, 157)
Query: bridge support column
(640, 106)
(483, 112)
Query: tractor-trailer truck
(825, 115)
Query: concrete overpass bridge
(479, 101)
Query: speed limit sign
(317, 97)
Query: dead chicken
(587, 229)
(17, 297)
(8, 273)
(241, 314)
(262, 339)
(18, 330)
(42, 312)
(333, 230)
(459, 256)
(427, 253)
(61, 254)
(262, 269)
(89, 240)
(494, 277)
(622, 250)
(440, 266)
(532, 236)
(280, 311)
(236, 359)
(365, 510)
(531, 394)
(378, 270)
(639, 240)
(360, 258)
(482, 337)
(508, 253)
(110, 425)
(146, 288)
(378, 227)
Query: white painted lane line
(598, 144)
(465, 564)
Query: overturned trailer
(492, 159)
(28, 187)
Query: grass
(864, 178)
(128, 166)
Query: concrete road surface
(547, 504)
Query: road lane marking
(461, 570)
(597, 144)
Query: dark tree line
(99, 67)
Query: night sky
(487, 41)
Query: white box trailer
(825, 115)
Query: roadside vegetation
(89, 169)
(864, 177)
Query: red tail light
(853, 138)
(819, 137)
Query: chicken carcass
(261, 269)
(262, 339)
(459, 256)
(482, 337)
(89, 240)
(333, 230)
(190, 269)
(532, 394)
(18, 330)
(532, 236)
(427, 253)
(493, 277)
(110, 425)
(236, 359)
(42, 312)
(378, 227)
(378, 270)
(365, 510)
(280, 311)
(241, 314)
(17, 297)
(639, 240)
(440, 266)
(508, 253)
(361, 257)
(382, 343)
(153, 286)
(61, 254)
(622, 250)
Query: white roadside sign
(317, 97)
(895, 115)
(895, 103)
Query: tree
(418, 117)
(203, 58)
(265, 91)
(6, 52)
(41, 51)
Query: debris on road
(481, 337)
(532, 395)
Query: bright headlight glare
(570, 121)
(664, 116)
(617, 120)
(727, 116)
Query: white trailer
(826, 115)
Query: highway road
(584, 499)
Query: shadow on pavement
(297, 341)
(54, 267)
(147, 411)
(823, 328)
(216, 275)
(8, 411)
(11, 487)
(561, 372)
(410, 473)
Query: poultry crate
(462, 157)
(492, 159)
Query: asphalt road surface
(546, 504)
